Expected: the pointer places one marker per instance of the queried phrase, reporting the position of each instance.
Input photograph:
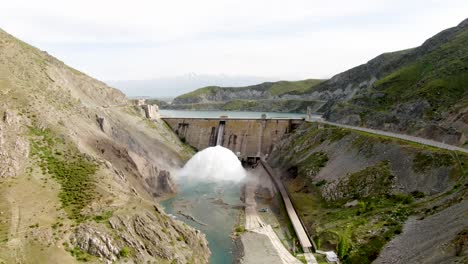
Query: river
(214, 206)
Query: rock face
(13, 148)
(101, 122)
(149, 236)
(152, 235)
(151, 111)
(96, 243)
(75, 153)
(161, 183)
(445, 231)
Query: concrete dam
(248, 138)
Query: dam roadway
(418, 140)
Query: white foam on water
(213, 164)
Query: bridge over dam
(247, 137)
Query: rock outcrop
(161, 183)
(95, 242)
(13, 148)
(148, 237)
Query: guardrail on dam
(247, 137)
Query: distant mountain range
(170, 87)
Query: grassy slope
(440, 77)
(273, 88)
(358, 233)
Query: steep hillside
(81, 170)
(255, 97)
(356, 192)
(421, 91)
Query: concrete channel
(301, 233)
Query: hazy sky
(288, 39)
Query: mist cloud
(213, 164)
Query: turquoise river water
(214, 206)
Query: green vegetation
(356, 233)
(282, 87)
(301, 258)
(103, 217)
(209, 90)
(439, 77)
(240, 229)
(312, 164)
(68, 167)
(371, 181)
(271, 88)
(424, 161)
(80, 255)
(321, 259)
(336, 133)
(125, 252)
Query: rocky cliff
(356, 192)
(81, 170)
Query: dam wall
(245, 137)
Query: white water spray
(219, 138)
(213, 164)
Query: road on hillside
(419, 140)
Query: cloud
(287, 39)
